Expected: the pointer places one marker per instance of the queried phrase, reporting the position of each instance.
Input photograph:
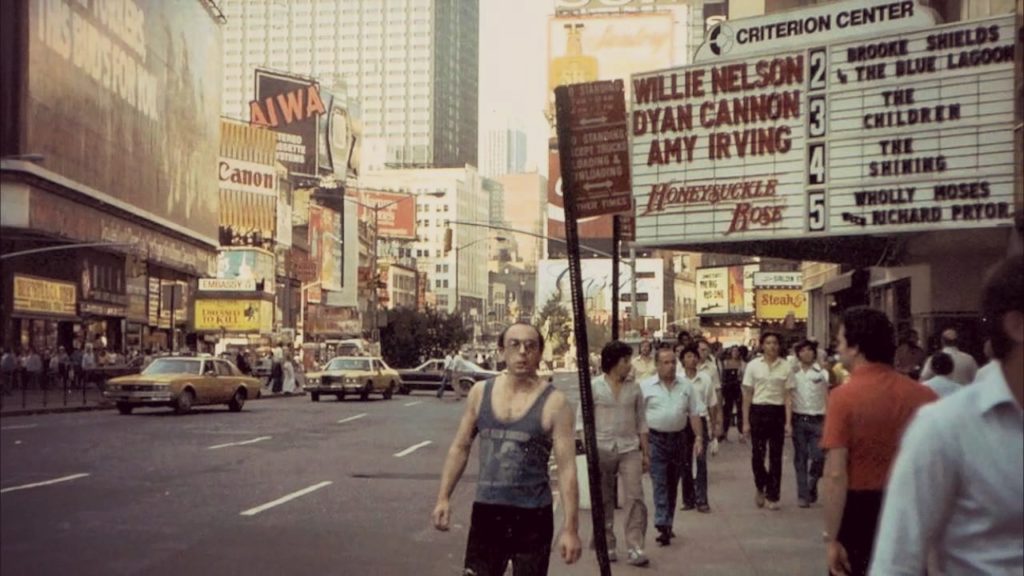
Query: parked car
(363, 375)
(430, 374)
(181, 383)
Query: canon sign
(245, 176)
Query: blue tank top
(514, 456)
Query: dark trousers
(860, 523)
(500, 534)
(695, 490)
(732, 402)
(808, 458)
(768, 433)
(666, 471)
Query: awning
(842, 282)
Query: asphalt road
(293, 487)
(165, 494)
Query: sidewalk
(735, 539)
(56, 402)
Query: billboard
(781, 303)
(586, 48)
(397, 220)
(48, 297)
(290, 106)
(236, 316)
(340, 139)
(126, 99)
(726, 289)
(886, 134)
(325, 246)
(248, 264)
(553, 282)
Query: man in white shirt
(643, 364)
(446, 379)
(964, 366)
(623, 452)
(669, 403)
(708, 364)
(942, 366)
(810, 396)
(957, 487)
(767, 417)
(695, 491)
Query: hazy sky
(513, 71)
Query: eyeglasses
(525, 345)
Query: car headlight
(350, 380)
(113, 387)
(313, 381)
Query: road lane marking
(19, 427)
(45, 483)
(414, 403)
(283, 499)
(412, 449)
(351, 418)
(242, 443)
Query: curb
(96, 407)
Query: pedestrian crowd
(917, 461)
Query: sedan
(181, 383)
(430, 374)
(362, 375)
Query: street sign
(599, 148)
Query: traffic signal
(447, 241)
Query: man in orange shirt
(864, 421)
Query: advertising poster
(780, 303)
(248, 264)
(340, 137)
(235, 316)
(712, 291)
(291, 106)
(397, 220)
(131, 97)
(332, 250)
(553, 282)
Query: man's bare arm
(564, 441)
(836, 481)
(458, 453)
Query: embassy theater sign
(825, 123)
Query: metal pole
(580, 326)
(616, 238)
(174, 339)
(457, 310)
(373, 278)
(632, 288)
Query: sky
(513, 72)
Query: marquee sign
(899, 133)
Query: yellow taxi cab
(362, 375)
(181, 382)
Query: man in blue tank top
(519, 418)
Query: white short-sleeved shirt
(769, 381)
(668, 409)
(704, 388)
(710, 367)
(810, 390)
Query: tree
(411, 334)
(555, 321)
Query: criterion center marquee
(848, 119)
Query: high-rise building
(525, 198)
(445, 197)
(504, 152)
(411, 65)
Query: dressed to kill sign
(599, 154)
(905, 132)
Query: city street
(294, 487)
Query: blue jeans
(808, 459)
(666, 472)
(695, 491)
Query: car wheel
(465, 386)
(314, 396)
(404, 390)
(237, 401)
(340, 396)
(124, 409)
(365, 394)
(390, 391)
(185, 401)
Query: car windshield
(470, 366)
(349, 364)
(173, 366)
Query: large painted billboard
(553, 282)
(586, 48)
(126, 99)
(395, 213)
(291, 106)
